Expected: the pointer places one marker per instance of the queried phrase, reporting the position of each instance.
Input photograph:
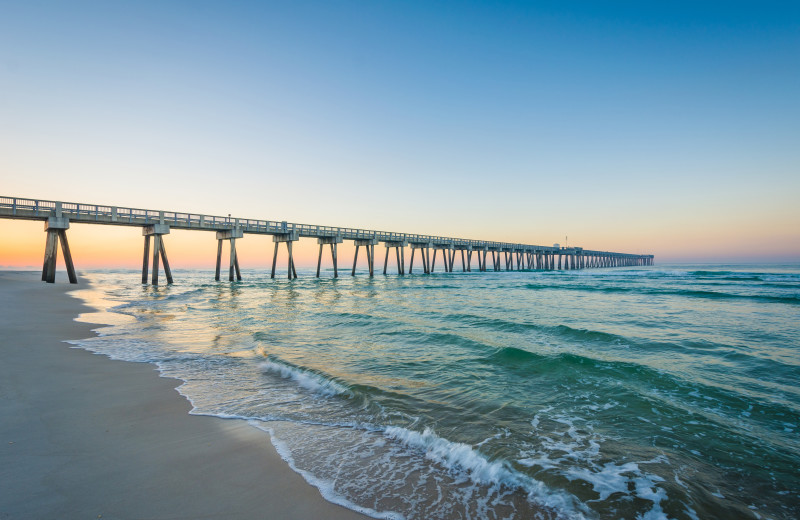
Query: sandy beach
(83, 436)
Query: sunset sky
(669, 128)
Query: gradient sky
(669, 128)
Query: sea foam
(314, 381)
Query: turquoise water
(650, 392)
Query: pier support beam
(447, 256)
(56, 229)
(400, 255)
(369, 244)
(466, 252)
(287, 238)
(424, 252)
(231, 235)
(333, 242)
(469, 259)
(157, 232)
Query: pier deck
(57, 215)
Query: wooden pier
(504, 256)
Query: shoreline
(85, 436)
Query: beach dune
(84, 436)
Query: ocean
(670, 391)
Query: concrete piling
(287, 238)
(56, 229)
(156, 232)
(369, 245)
(333, 241)
(399, 250)
(230, 235)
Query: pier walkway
(58, 215)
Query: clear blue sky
(669, 127)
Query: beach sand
(83, 436)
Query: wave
(317, 382)
(326, 487)
(692, 293)
(456, 456)
(503, 325)
(726, 296)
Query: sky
(667, 128)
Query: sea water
(649, 392)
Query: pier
(503, 256)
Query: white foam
(326, 487)
(691, 513)
(453, 455)
(535, 420)
(313, 381)
(574, 452)
(504, 433)
(611, 478)
(645, 488)
(480, 470)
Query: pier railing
(37, 209)
(156, 223)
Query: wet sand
(83, 436)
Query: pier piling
(56, 229)
(399, 250)
(369, 245)
(156, 232)
(230, 235)
(333, 242)
(287, 238)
